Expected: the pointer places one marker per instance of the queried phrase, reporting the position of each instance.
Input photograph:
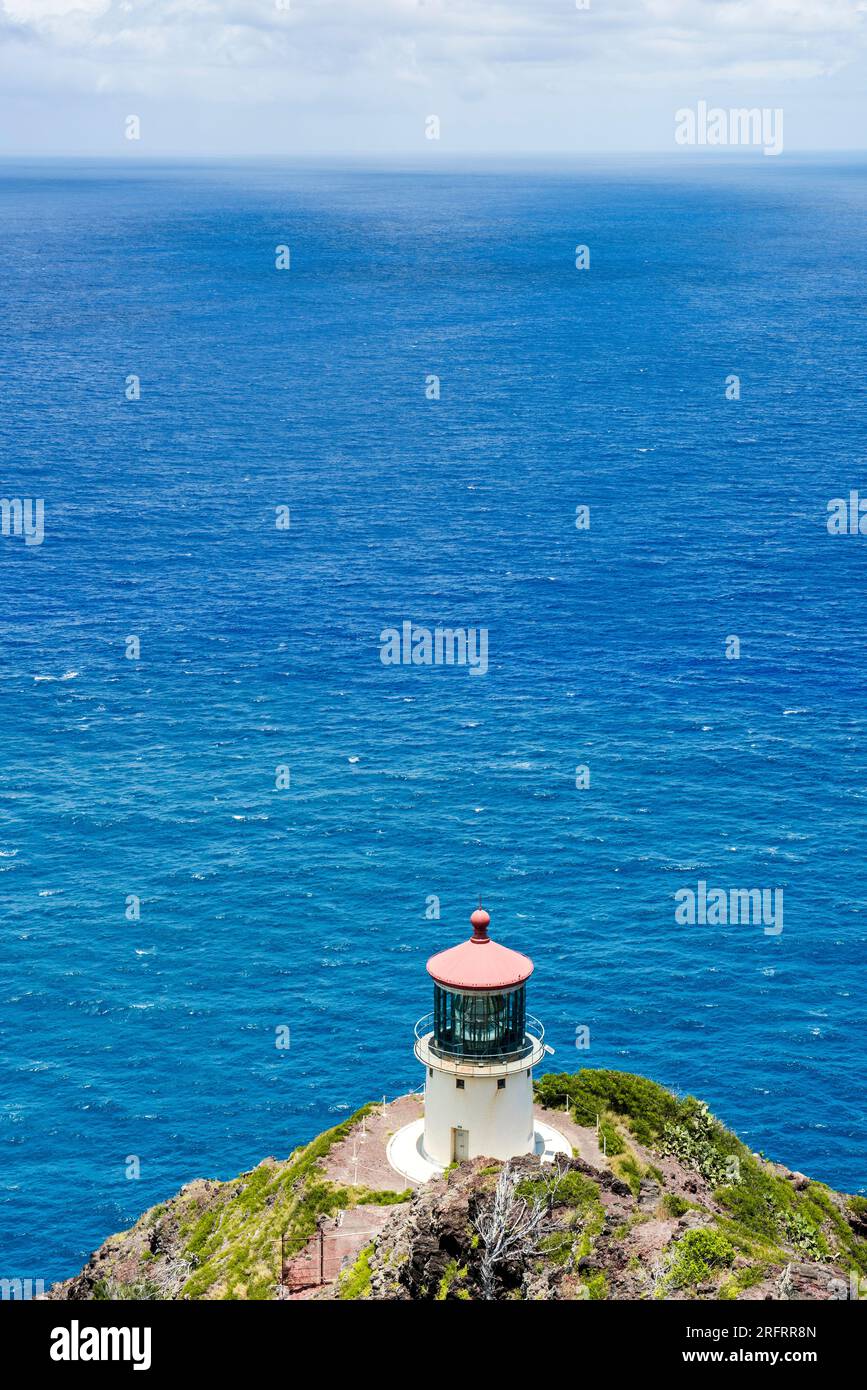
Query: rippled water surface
(259, 647)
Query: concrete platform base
(405, 1151)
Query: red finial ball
(480, 920)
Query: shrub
(647, 1107)
(767, 1206)
(576, 1190)
(613, 1142)
(745, 1278)
(697, 1254)
(804, 1236)
(572, 1190)
(699, 1141)
(752, 1202)
(673, 1205)
(631, 1172)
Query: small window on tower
(430, 1071)
(501, 1083)
(459, 1083)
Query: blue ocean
(147, 769)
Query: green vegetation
(557, 1246)
(820, 1205)
(697, 1255)
(805, 1237)
(572, 1190)
(374, 1197)
(232, 1236)
(597, 1287)
(646, 1107)
(631, 1171)
(766, 1215)
(745, 1278)
(453, 1274)
(610, 1139)
(674, 1206)
(355, 1282)
(699, 1141)
(768, 1209)
(109, 1289)
(223, 1240)
(577, 1190)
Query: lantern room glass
(479, 1024)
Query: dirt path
(583, 1140)
(359, 1160)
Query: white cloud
(342, 35)
(39, 11)
(532, 60)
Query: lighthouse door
(460, 1145)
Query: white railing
(534, 1038)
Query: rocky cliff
(670, 1205)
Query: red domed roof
(479, 963)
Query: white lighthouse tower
(478, 1047)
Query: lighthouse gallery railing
(534, 1037)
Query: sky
(301, 78)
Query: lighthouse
(478, 1047)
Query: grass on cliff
(646, 1107)
(765, 1215)
(697, 1256)
(229, 1233)
(355, 1282)
(233, 1236)
(581, 1226)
